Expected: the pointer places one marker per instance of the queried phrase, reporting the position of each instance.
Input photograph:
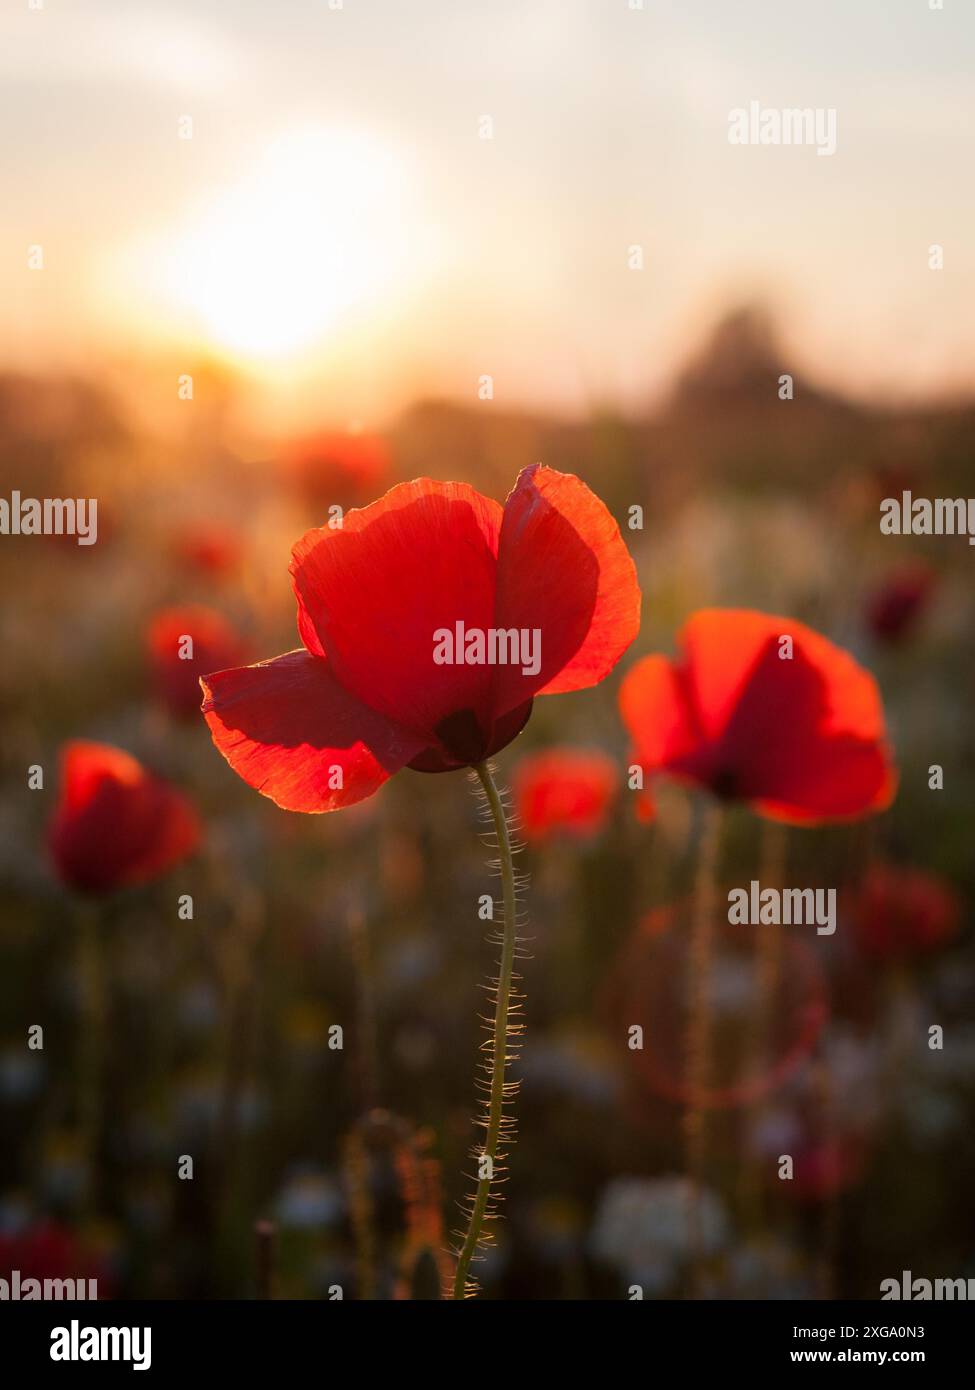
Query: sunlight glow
(269, 267)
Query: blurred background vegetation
(219, 1026)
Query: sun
(269, 267)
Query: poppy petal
(728, 650)
(833, 779)
(374, 594)
(656, 712)
(565, 572)
(289, 729)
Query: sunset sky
(337, 228)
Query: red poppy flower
(894, 608)
(326, 725)
(899, 913)
(564, 789)
(177, 674)
(799, 738)
(115, 824)
(337, 467)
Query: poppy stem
(768, 971)
(699, 1027)
(92, 1045)
(497, 1123)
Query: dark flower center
(725, 782)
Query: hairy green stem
(499, 1043)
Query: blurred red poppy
(824, 1168)
(794, 728)
(326, 725)
(115, 824)
(212, 549)
(564, 789)
(899, 913)
(895, 607)
(337, 467)
(177, 665)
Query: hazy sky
(336, 221)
